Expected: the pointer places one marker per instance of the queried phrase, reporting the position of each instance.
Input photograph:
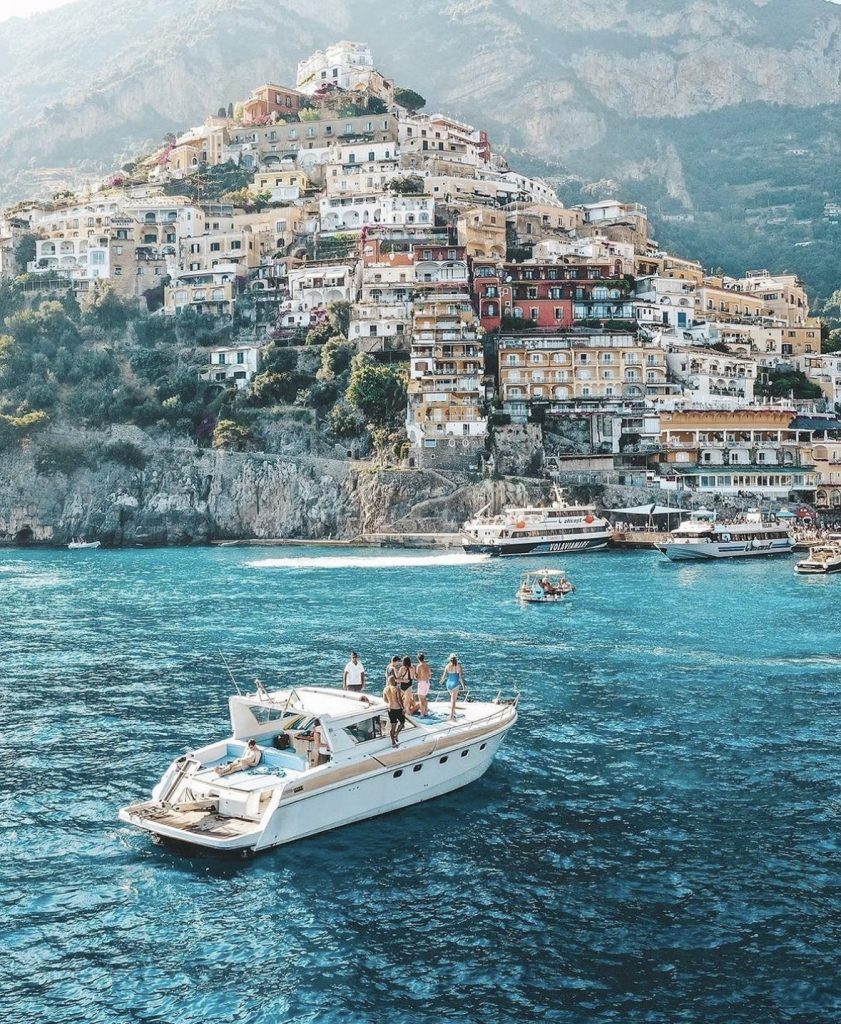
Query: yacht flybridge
(326, 760)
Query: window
(361, 732)
(215, 246)
(240, 357)
(464, 753)
(398, 773)
(534, 313)
(118, 271)
(417, 767)
(236, 245)
(444, 759)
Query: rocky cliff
(184, 495)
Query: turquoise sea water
(657, 841)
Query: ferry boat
(753, 537)
(823, 558)
(537, 530)
(544, 586)
(326, 760)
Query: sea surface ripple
(657, 840)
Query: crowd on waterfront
(407, 686)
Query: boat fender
(589, 519)
(452, 443)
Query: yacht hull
(734, 549)
(537, 547)
(390, 782)
(805, 569)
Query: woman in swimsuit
(424, 676)
(405, 678)
(453, 675)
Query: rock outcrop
(184, 495)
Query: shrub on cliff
(377, 391)
(233, 436)
(344, 420)
(102, 307)
(14, 429)
(126, 453)
(64, 457)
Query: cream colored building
(582, 365)
(482, 231)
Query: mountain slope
(628, 90)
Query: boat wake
(366, 561)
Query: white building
(345, 65)
(316, 285)
(382, 317)
(674, 298)
(233, 363)
(708, 373)
(349, 213)
(824, 369)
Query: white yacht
(80, 545)
(326, 760)
(753, 537)
(823, 558)
(537, 531)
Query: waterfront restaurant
(767, 481)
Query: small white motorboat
(544, 586)
(80, 545)
(823, 559)
(325, 760)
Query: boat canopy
(647, 510)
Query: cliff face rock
(184, 496)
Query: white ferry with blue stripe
(749, 539)
(558, 528)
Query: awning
(647, 510)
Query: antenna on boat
(230, 673)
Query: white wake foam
(365, 561)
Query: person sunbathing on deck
(250, 759)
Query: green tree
(25, 250)
(103, 307)
(377, 391)
(410, 185)
(335, 358)
(339, 312)
(409, 99)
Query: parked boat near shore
(537, 530)
(746, 538)
(81, 545)
(823, 559)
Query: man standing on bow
(354, 674)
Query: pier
(636, 538)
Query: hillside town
(536, 339)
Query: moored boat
(823, 559)
(750, 537)
(544, 586)
(537, 530)
(326, 760)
